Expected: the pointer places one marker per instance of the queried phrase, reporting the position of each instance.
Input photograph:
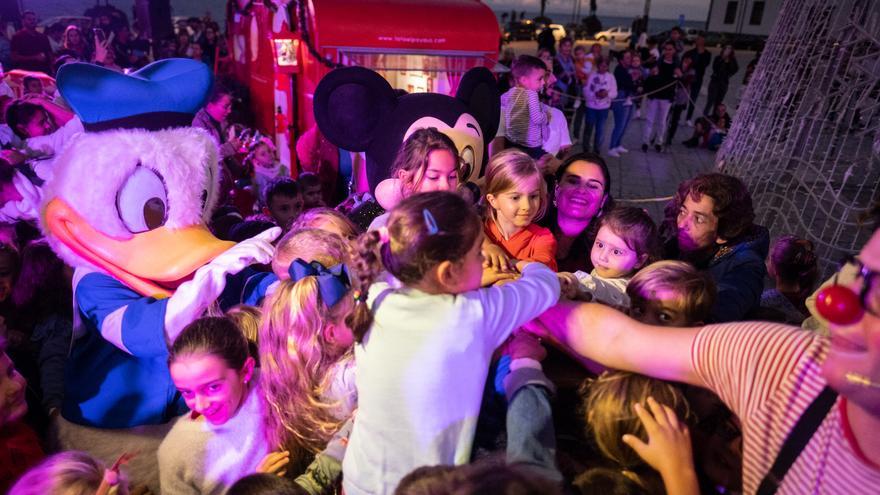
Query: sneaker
(613, 152)
(658, 148)
(644, 148)
(621, 149)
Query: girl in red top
(517, 196)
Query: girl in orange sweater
(517, 196)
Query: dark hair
(215, 335)
(637, 230)
(412, 250)
(593, 158)
(265, 484)
(676, 28)
(249, 228)
(795, 262)
(282, 186)
(41, 288)
(567, 39)
(732, 203)
(308, 179)
(504, 479)
(606, 481)
(218, 90)
(488, 475)
(525, 64)
(19, 114)
(29, 79)
(588, 157)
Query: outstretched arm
(611, 338)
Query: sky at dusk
(665, 9)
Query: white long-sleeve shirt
(607, 290)
(597, 82)
(421, 369)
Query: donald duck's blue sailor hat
(164, 94)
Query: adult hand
(668, 449)
(568, 284)
(274, 463)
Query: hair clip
(359, 296)
(384, 236)
(430, 222)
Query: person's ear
(493, 201)
(331, 333)
(642, 260)
(266, 211)
(247, 371)
(447, 274)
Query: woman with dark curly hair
(710, 223)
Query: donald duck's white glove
(192, 298)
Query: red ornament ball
(839, 305)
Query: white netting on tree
(805, 138)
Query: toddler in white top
(627, 240)
(423, 350)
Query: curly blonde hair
(297, 368)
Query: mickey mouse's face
(357, 110)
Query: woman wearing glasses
(581, 195)
(809, 404)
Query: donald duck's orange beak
(152, 263)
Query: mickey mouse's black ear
(479, 92)
(349, 103)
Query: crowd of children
(422, 354)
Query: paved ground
(645, 177)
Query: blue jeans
(595, 120)
(531, 438)
(622, 114)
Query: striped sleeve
(744, 363)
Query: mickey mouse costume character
(356, 109)
(127, 208)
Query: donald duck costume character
(127, 208)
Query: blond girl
(517, 197)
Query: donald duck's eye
(142, 202)
(467, 166)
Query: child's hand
(525, 345)
(669, 442)
(492, 276)
(569, 285)
(495, 257)
(274, 463)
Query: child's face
(12, 386)
(209, 386)
(263, 156)
(441, 174)
(39, 125)
(662, 310)
(285, 209)
(312, 197)
(470, 269)
(533, 81)
(611, 257)
(517, 207)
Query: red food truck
(282, 49)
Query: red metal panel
(434, 25)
